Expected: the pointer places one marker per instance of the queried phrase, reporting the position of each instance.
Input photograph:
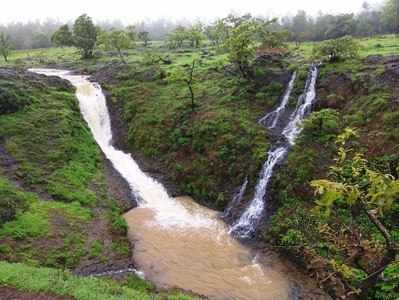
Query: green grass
(34, 222)
(378, 45)
(207, 150)
(58, 191)
(58, 282)
(51, 142)
(352, 94)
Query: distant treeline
(34, 35)
(369, 21)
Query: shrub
(321, 126)
(11, 201)
(13, 98)
(391, 119)
(338, 49)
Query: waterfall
(236, 199)
(247, 224)
(272, 118)
(149, 192)
(305, 103)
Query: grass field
(380, 45)
(58, 282)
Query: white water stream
(272, 118)
(178, 243)
(247, 224)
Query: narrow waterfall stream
(178, 243)
(247, 224)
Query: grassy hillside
(63, 283)
(207, 152)
(56, 209)
(361, 94)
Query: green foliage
(177, 37)
(12, 201)
(338, 49)
(144, 36)
(51, 142)
(35, 221)
(391, 119)
(241, 45)
(14, 96)
(118, 40)
(292, 238)
(62, 37)
(388, 289)
(63, 283)
(5, 46)
(196, 35)
(85, 35)
(321, 126)
(390, 15)
(356, 183)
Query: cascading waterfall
(236, 199)
(148, 191)
(272, 118)
(247, 224)
(178, 243)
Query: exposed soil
(7, 293)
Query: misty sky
(130, 11)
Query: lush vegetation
(347, 233)
(54, 199)
(190, 107)
(63, 283)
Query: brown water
(206, 261)
(178, 243)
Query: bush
(321, 126)
(338, 49)
(13, 98)
(11, 202)
(391, 119)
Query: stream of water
(178, 243)
(247, 224)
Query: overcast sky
(130, 11)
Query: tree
(177, 37)
(5, 46)
(131, 33)
(300, 26)
(186, 75)
(144, 36)
(241, 45)
(343, 25)
(62, 37)
(85, 35)
(217, 33)
(196, 35)
(117, 40)
(390, 14)
(360, 190)
(338, 49)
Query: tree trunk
(192, 96)
(373, 279)
(392, 251)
